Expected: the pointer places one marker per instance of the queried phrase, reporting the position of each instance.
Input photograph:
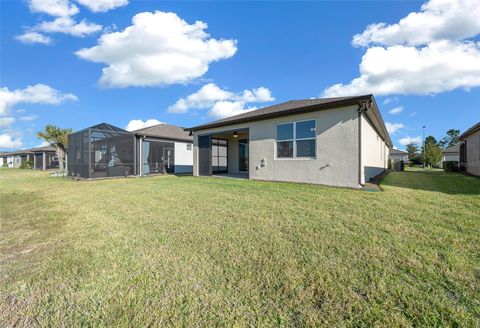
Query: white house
(176, 153)
(451, 153)
(42, 158)
(398, 155)
(332, 141)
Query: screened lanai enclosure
(45, 161)
(158, 156)
(105, 150)
(101, 151)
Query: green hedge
(450, 166)
(26, 165)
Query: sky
(76, 63)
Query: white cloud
(68, 25)
(221, 103)
(139, 124)
(407, 140)
(6, 122)
(42, 144)
(437, 20)
(28, 117)
(36, 94)
(102, 5)
(393, 127)
(33, 37)
(7, 141)
(389, 100)
(58, 8)
(438, 67)
(396, 110)
(158, 48)
(223, 109)
(427, 52)
(63, 22)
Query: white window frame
(294, 140)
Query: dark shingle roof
(165, 131)
(394, 151)
(48, 148)
(289, 107)
(453, 149)
(293, 107)
(473, 129)
(42, 149)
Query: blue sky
(255, 54)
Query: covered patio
(224, 154)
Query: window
(296, 140)
(189, 147)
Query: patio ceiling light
(235, 134)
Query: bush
(450, 166)
(27, 165)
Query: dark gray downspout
(363, 107)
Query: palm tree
(58, 138)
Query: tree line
(433, 148)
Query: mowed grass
(187, 251)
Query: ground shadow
(434, 180)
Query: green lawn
(208, 252)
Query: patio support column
(140, 155)
(34, 162)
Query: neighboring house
(105, 150)
(470, 150)
(333, 141)
(15, 159)
(451, 153)
(42, 158)
(6, 160)
(172, 143)
(398, 155)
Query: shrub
(27, 165)
(450, 166)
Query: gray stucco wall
(374, 152)
(337, 157)
(473, 153)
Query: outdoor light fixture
(235, 134)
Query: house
(470, 150)
(451, 153)
(165, 141)
(397, 155)
(42, 158)
(104, 150)
(6, 160)
(333, 141)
